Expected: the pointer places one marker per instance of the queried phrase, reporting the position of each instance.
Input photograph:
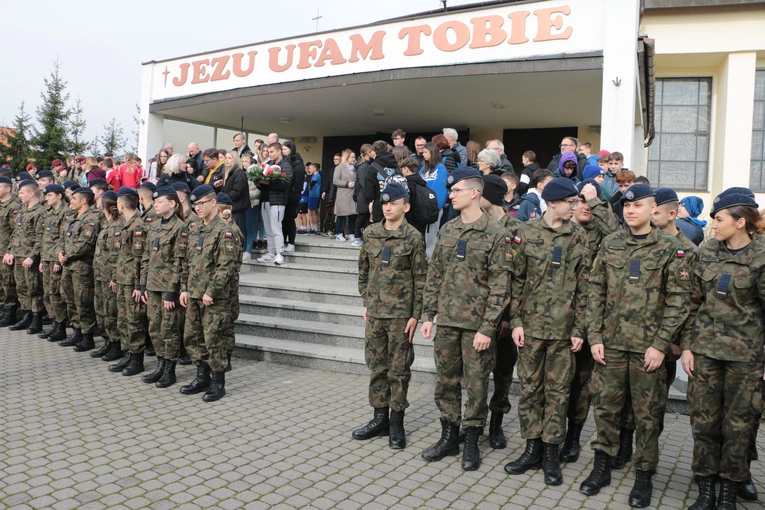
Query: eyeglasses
(197, 204)
(419, 145)
(566, 145)
(572, 203)
(455, 190)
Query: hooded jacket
(383, 167)
(580, 164)
(525, 177)
(560, 172)
(530, 207)
(298, 172)
(412, 181)
(279, 191)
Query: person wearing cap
(75, 255)
(44, 177)
(597, 174)
(106, 253)
(638, 300)
(723, 353)
(146, 196)
(50, 234)
(392, 272)
(467, 287)
(532, 205)
(9, 210)
(131, 312)
(24, 255)
(99, 187)
(688, 221)
(30, 170)
(207, 272)
(550, 262)
(183, 191)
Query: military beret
(109, 194)
(44, 173)
(201, 191)
(30, 166)
(494, 189)
(71, 184)
(393, 191)
(79, 160)
(5, 180)
(731, 200)
(83, 189)
(461, 174)
(222, 198)
(126, 191)
(585, 182)
(23, 176)
(97, 182)
(165, 191)
(180, 186)
(108, 154)
(56, 162)
(5, 170)
(736, 191)
(559, 188)
(27, 182)
(637, 192)
(53, 188)
(148, 185)
(666, 195)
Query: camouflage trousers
(10, 296)
(230, 335)
(628, 418)
(545, 369)
(28, 285)
(77, 289)
(507, 356)
(389, 356)
(623, 375)
(130, 321)
(106, 311)
(725, 398)
(203, 332)
(164, 326)
(456, 358)
(579, 398)
(52, 292)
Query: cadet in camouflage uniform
(160, 282)
(207, 273)
(190, 218)
(467, 286)
(127, 275)
(723, 355)
(107, 251)
(150, 218)
(225, 205)
(638, 299)
(51, 227)
(24, 255)
(392, 271)
(549, 273)
(9, 209)
(99, 187)
(598, 221)
(75, 255)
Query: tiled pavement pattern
(77, 436)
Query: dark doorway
(544, 142)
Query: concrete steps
(302, 270)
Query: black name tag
(200, 243)
(155, 247)
(722, 286)
(557, 253)
(461, 250)
(385, 261)
(634, 271)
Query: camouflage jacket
(163, 255)
(190, 217)
(691, 256)
(150, 218)
(211, 261)
(233, 293)
(9, 210)
(127, 271)
(99, 214)
(469, 276)
(728, 303)
(25, 240)
(604, 223)
(392, 271)
(78, 240)
(549, 289)
(107, 251)
(638, 292)
(51, 227)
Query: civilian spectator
(240, 146)
(112, 174)
(94, 171)
(532, 204)
(199, 167)
(211, 162)
(218, 178)
(289, 229)
(488, 162)
(175, 171)
(434, 173)
(130, 175)
(624, 180)
(362, 206)
(302, 219)
(235, 186)
(155, 171)
(567, 167)
(328, 191)
(272, 139)
(345, 209)
(400, 153)
(454, 144)
(688, 221)
(419, 144)
(314, 198)
(597, 174)
(473, 148)
(498, 146)
(262, 155)
(167, 147)
(273, 210)
(382, 168)
(569, 144)
(530, 165)
(512, 198)
(585, 148)
(257, 146)
(410, 171)
(399, 140)
(449, 157)
(252, 216)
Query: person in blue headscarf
(687, 219)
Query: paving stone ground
(77, 436)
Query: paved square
(75, 435)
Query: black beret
(166, 191)
(148, 185)
(393, 191)
(222, 198)
(461, 174)
(494, 189)
(24, 176)
(585, 182)
(27, 182)
(4, 170)
(201, 191)
(180, 186)
(736, 191)
(83, 189)
(559, 188)
(109, 194)
(731, 200)
(5, 180)
(666, 195)
(637, 192)
(44, 173)
(96, 182)
(126, 191)
(53, 188)
(71, 184)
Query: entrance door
(544, 142)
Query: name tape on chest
(461, 249)
(556, 257)
(200, 243)
(634, 271)
(385, 260)
(722, 286)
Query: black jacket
(504, 164)
(451, 159)
(201, 168)
(279, 191)
(185, 177)
(382, 167)
(412, 182)
(362, 206)
(298, 172)
(237, 189)
(526, 174)
(246, 148)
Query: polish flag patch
(517, 240)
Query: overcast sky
(101, 45)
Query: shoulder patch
(117, 234)
(139, 234)
(228, 234)
(680, 254)
(184, 234)
(517, 240)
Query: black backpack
(425, 208)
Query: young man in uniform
(467, 287)
(150, 219)
(51, 229)
(638, 299)
(392, 271)
(9, 210)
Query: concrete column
(152, 124)
(617, 123)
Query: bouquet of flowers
(266, 172)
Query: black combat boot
(551, 465)
(103, 350)
(72, 340)
(727, 498)
(640, 496)
(397, 438)
(157, 373)
(114, 353)
(47, 320)
(168, 376)
(201, 383)
(24, 323)
(379, 425)
(471, 456)
(530, 459)
(44, 334)
(706, 499)
(185, 359)
(9, 317)
(624, 455)
(36, 325)
(463, 433)
(447, 445)
(217, 388)
(121, 364)
(747, 491)
(86, 343)
(570, 450)
(496, 435)
(600, 476)
(3, 311)
(228, 366)
(149, 350)
(135, 366)
(59, 334)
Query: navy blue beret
(585, 182)
(148, 185)
(24, 176)
(166, 191)
(44, 173)
(460, 174)
(222, 198)
(201, 191)
(666, 195)
(27, 182)
(559, 188)
(5, 180)
(97, 182)
(109, 194)
(637, 192)
(53, 188)
(736, 191)
(731, 200)
(126, 191)
(180, 186)
(4, 170)
(393, 191)
(71, 184)
(83, 189)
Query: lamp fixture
(285, 120)
(498, 106)
(378, 113)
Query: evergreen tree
(77, 125)
(17, 152)
(50, 139)
(113, 139)
(137, 132)
(94, 146)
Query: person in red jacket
(130, 174)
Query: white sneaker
(290, 247)
(351, 237)
(246, 256)
(278, 259)
(357, 242)
(267, 258)
(340, 238)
